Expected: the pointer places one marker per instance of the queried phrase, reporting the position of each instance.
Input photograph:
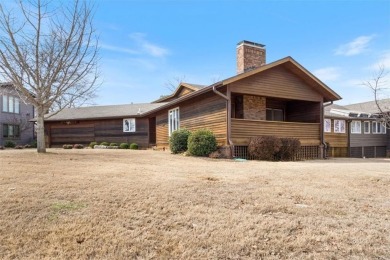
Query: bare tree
(380, 87)
(172, 84)
(50, 54)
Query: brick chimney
(250, 55)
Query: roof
(297, 69)
(371, 106)
(103, 112)
(338, 111)
(191, 86)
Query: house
(281, 98)
(15, 115)
(356, 130)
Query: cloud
(384, 61)
(117, 49)
(327, 74)
(148, 47)
(355, 47)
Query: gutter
(229, 116)
(322, 127)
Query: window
(327, 125)
(11, 104)
(339, 126)
(378, 128)
(356, 127)
(173, 120)
(275, 114)
(11, 131)
(366, 127)
(129, 125)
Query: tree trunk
(41, 144)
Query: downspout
(229, 117)
(322, 127)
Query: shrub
(264, 147)
(9, 144)
(179, 140)
(124, 146)
(289, 149)
(34, 144)
(104, 143)
(134, 146)
(19, 147)
(27, 146)
(78, 146)
(67, 146)
(92, 144)
(113, 144)
(1, 147)
(202, 142)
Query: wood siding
(243, 130)
(276, 82)
(84, 132)
(337, 139)
(370, 139)
(206, 111)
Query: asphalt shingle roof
(100, 112)
(371, 106)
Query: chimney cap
(253, 44)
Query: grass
(121, 204)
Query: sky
(146, 45)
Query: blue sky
(145, 44)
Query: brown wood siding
(184, 92)
(87, 131)
(337, 139)
(206, 111)
(243, 130)
(276, 82)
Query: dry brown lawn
(122, 204)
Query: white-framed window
(173, 120)
(129, 125)
(356, 127)
(378, 128)
(11, 104)
(366, 127)
(327, 125)
(339, 126)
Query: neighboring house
(14, 117)
(355, 131)
(281, 98)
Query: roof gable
(293, 66)
(181, 90)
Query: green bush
(34, 144)
(202, 142)
(67, 146)
(113, 144)
(104, 143)
(134, 146)
(92, 144)
(289, 149)
(124, 146)
(264, 147)
(179, 140)
(78, 146)
(9, 144)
